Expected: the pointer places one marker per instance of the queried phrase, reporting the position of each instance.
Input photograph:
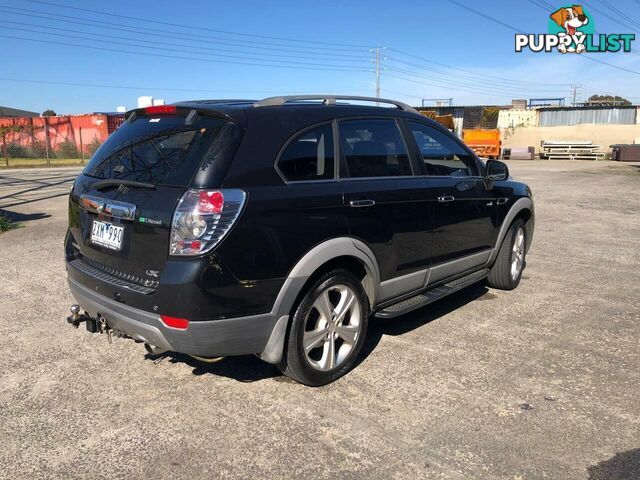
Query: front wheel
(327, 330)
(510, 262)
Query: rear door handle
(362, 203)
(446, 198)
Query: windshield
(160, 151)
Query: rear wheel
(510, 262)
(327, 330)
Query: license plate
(107, 235)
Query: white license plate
(107, 234)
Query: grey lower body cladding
(234, 336)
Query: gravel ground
(541, 382)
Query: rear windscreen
(161, 150)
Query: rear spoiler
(191, 114)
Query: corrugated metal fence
(616, 116)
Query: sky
(89, 56)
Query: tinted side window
(442, 155)
(374, 148)
(309, 156)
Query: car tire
(510, 262)
(327, 329)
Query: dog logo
(572, 30)
(571, 19)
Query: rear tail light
(203, 218)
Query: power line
(488, 94)
(499, 78)
(216, 55)
(191, 27)
(59, 16)
(619, 13)
(549, 8)
(148, 54)
(542, 4)
(467, 81)
(131, 87)
(449, 82)
(322, 55)
(484, 15)
(500, 22)
(167, 33)
(119, 87)
(622, 18)
(421, 81)
(478, 78)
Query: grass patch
(6, 224)
(39, 162)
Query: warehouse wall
(511, 118)
(576, 116)
(603, 135)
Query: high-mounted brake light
(175, 322)
(203, 218)
(160, 109)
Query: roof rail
(218, 101)
(330, 100)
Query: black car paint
(407, 229)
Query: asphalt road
(541, 382)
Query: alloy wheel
(517, 254)
(332, 327)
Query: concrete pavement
(541, 382)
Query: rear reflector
(160, 109)
(175, 322)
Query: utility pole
(575, 88)
(377, 61)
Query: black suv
(279, 227)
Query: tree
(4, 131)
(49, 113)
(608, 100)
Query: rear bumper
(231, 336)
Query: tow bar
(99, 324)
(94, 325)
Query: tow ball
(94, 325)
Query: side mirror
(496, 171)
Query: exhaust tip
(153, 350)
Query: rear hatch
(122, 205)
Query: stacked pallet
(570, 150)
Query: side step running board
(425, 298)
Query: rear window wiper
(113, 182)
